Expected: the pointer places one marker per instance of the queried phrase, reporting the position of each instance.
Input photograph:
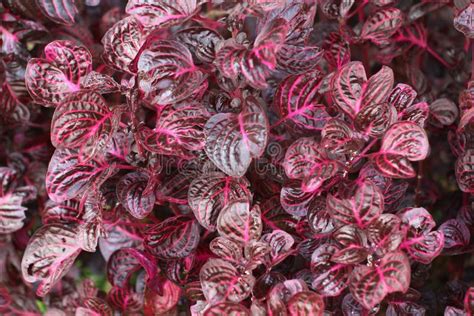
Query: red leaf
(362, 208)
(166, 71)
(232, 140)
(50, 253)
(354, 245)
(296, 101)
(175, 237)
(59, 11)
(239, 223)
(122, 43)
(382, 25)
(221, 281)
(135, 193)
(338, 137)
(227, 308)
(160, 303)
(374, 119)
(370, 284)
(212, 192)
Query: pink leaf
(280, 243)
(402, 96)
(167, 73)
(99, 82)
(279, 296)
(338, 137)
(227, 308)
(370, 284)
(364, 207)
(175, 237)
(12, 213)
(329, 279)
(134, 192)
(384, 233)
(220, 281)
(382, 25)
(306, 303)
(463, 21)
(159, 303)
(122, 43)
(212, 192)
(296, 101)
(374, 119)
(232, 140)
(294, 200)
(201, 42)
(239, 223)
(59, 11)
(50, 253)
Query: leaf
(384, 233)
(221, 281)
(354, 245)
(99, 82)
(362, 208)
(226, 249)
(12, 214)
(68, 177)
(232, 140)
(329, 279)
(374, 119)
(227, 308)
(306, 303)
(239, 223)
(294, 200)
(135, 193)
(201, 42)
(83, 119)
(166, 72)
(469, 301)
(280, 243)
(177, 131)
(463, 21)
(369, 285)
(402, 96)
(352, 91)
(175, 237)
(444, 111)
(379, 27)
(281, 293)
(274, 216)
(123, 299)
(464, 168)
(212, 192)
(255, 64)
(320, 220)
(338, 137)
(306, 161)
(50, 253)
(417, 113)
(59, 11)
(297, 101)
(456, 234)
(403, 142)
(65, 212)
(122, 43)
(163, 13)
(421, 244)
(159, 303)
(50, 79)
(297, 58)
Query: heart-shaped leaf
(122, 43)
(421, 244)
(177, 131)
(403, 142)
(83, 119)
(175, 237)
(135, 193)
(338, 137)
(362, 208)
(50, 79)
(352, 91)
(221, 281)
(166, 72)
(50, 253)
(294, 200)
(239, 223)
(296, 101)
(59, 11)
(320, 220)
(306, 161)
(370, 284)
(68, 176)
(163, 13)
(379, 27)
(232, 140)
(212, 192)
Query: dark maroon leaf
(364, 207)
(374, 119)
(59, 11)
(384, 234)
(212, 192)
(232, 140)
(201, 42)
(464, 171)
(297, 102)
(305, 304)
(49, 255)
(175, 237)
(135, 192)
(370, 284)
(444, 112)
(220, 281)
(456, 234)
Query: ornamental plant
(236, 158)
